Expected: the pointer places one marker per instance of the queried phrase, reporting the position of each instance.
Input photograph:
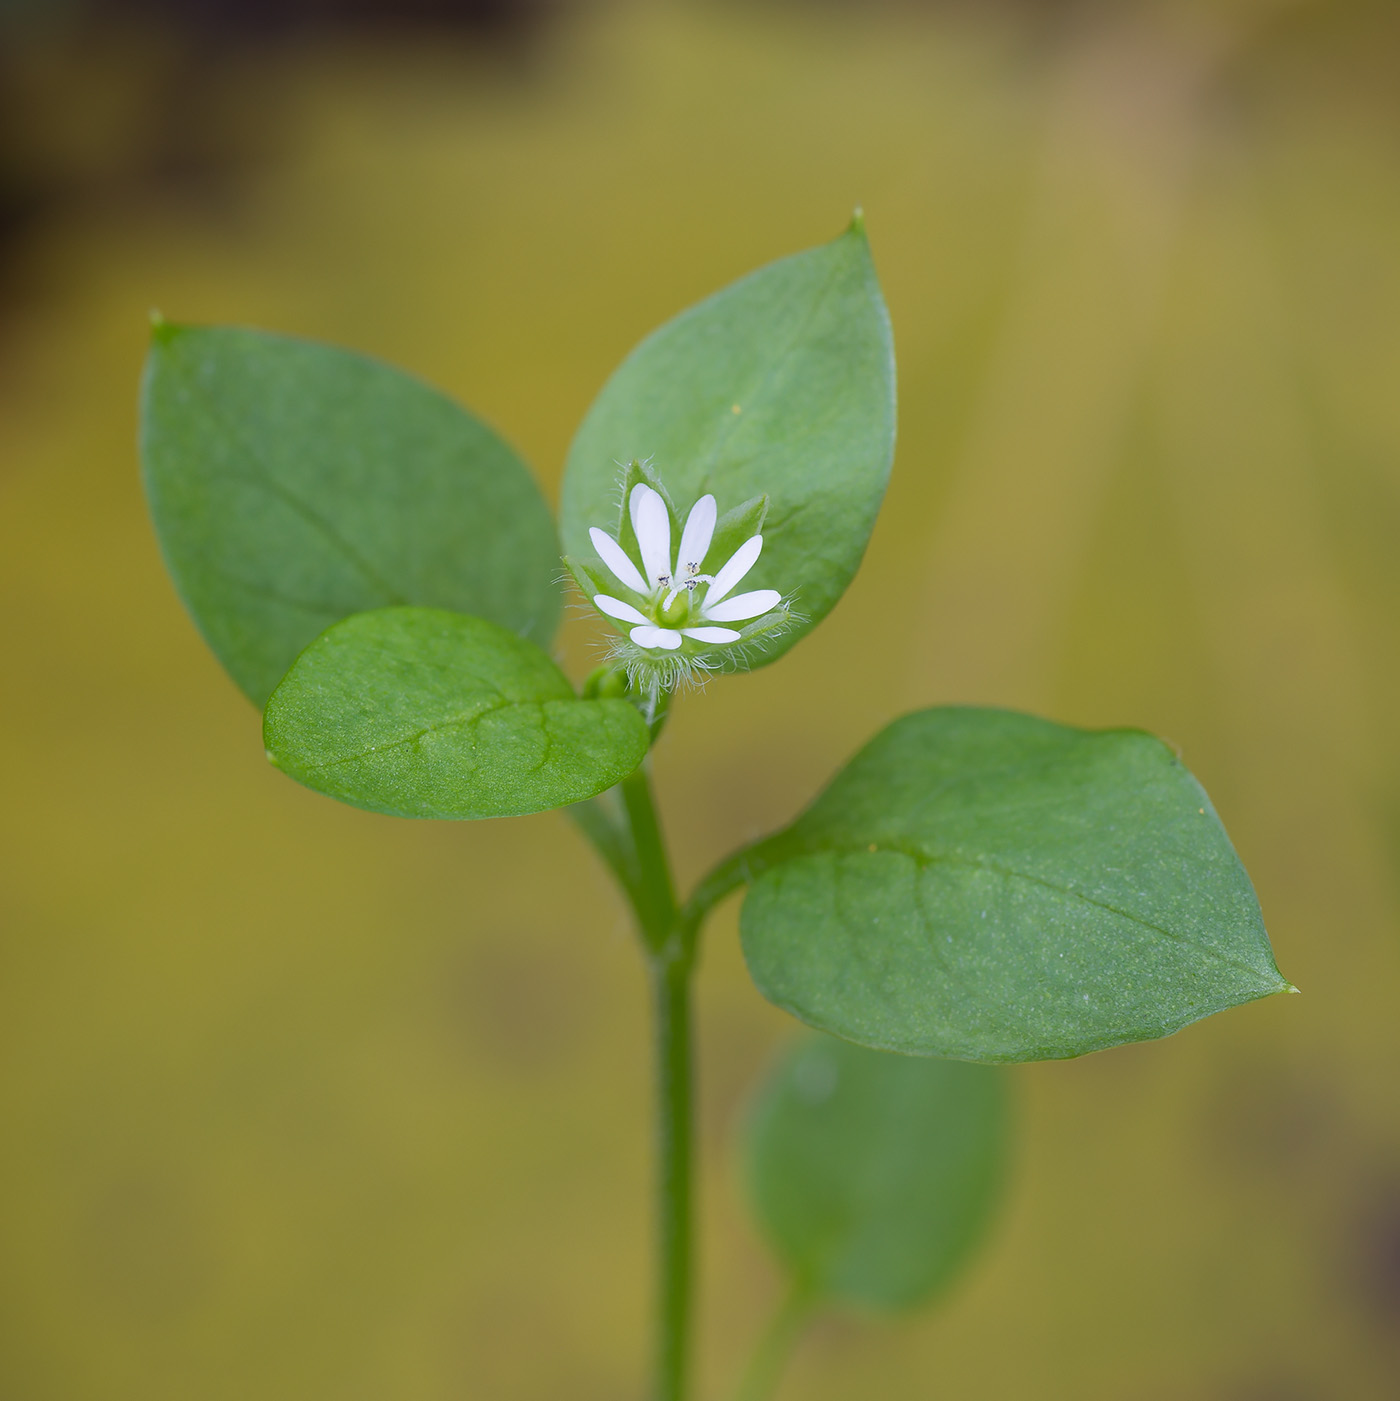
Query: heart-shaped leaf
(986, 885)
(293, 484)
(875, 1177)
(418, 712)
(781, 386)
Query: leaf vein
(925, 859)
(305, 509)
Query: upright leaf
(418, 712)
(986, 885)
(875, 1177)
(293, 484)
(782, 386)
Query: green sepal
(734, 527)
(635, 473)
(594, 578)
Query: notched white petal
(667, 639)
(615, 557)
(695, 538)
(616, 608)
(740, 562)
(668, 580)
(742, 606)
(653, 526)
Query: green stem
(637, 856)
(674, 1156)
(770, 1357)
(654, 901)
(653, 896)
(631, 842)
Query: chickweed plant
(379, 574)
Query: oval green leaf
(418, 712)
(990, 886)
(293, 484)
(781, 386)
(875, 1177)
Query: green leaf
(293, 484)
(875, 1177)
(780, 386)
(986, 885)
(418, 712)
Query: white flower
(667, 610)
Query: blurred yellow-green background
(298, 1102)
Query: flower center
(673, 609)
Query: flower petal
(668, 639)
(695, 538)
(742, 606)
(615, 557)
(740, 562)
(616, 608)
(712, 634)
(653, 526)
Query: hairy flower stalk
(677, 617)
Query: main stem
(674, 1085)
(635, 852)
(667, 939)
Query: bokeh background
(299, 1102)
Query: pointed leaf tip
(162, 331)
(857, 225)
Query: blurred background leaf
(300, 1102)
(875, 1176)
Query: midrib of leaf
(470, 719)
(813, 832)
(303, 508)
(261, 590)
(450, 722)
(925, 859)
